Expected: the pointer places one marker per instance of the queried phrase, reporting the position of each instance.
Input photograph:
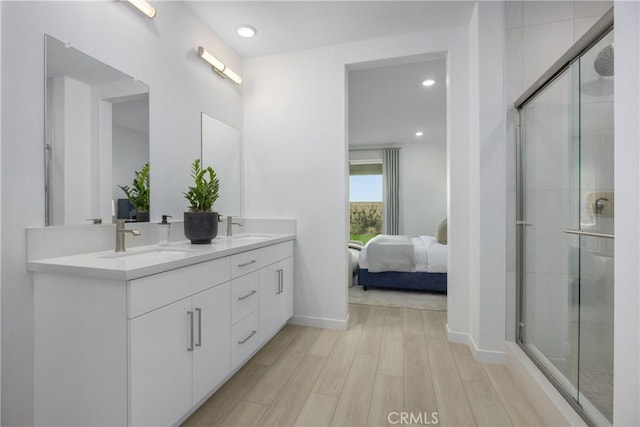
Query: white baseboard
(458, 337)
(544, 397)
(320, 322)
(487, 356)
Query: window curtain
(391, 171)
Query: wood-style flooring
(390, 361)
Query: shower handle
(525, 223)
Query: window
(365, 199)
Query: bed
(354, 248)
(403, 262)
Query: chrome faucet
(230, 225)
(120, 230)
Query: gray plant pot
(201, 227)
(140, 216)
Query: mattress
(430, 256)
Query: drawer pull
(190, 348)
(248, 263)
(248, 338)
(199, 343)
(247, 295)
(279, 271)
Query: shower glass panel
(566, 218)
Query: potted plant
(138, 194)
(200, 223)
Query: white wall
(71, 150)
(130, 153)
(423, 192)
(296, 160)
(160, 52)
(488, 186)
(626, 380)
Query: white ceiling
(388, 104)
(295, 25)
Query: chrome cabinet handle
(190, 313)
(247, 295)
(199, 311)
(248, 263)
(248, 338)
(279, 271)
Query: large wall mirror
(221, 150)
(97, 135)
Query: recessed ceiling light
(246, 31)
(428, 82)
(419, 133)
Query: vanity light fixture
(419, 133)
(218, 66)
(144, 7)
(246, 31)
(428, 82)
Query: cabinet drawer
(245, 262)
(151, 292)
(245, 338)
(245, 296)
(274, 253)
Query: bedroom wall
(160, 52)
(423, 193)
(296, 161)
(423, 185)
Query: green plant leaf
(205, 191)
(139, 193)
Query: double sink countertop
(143, 261)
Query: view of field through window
(366, 205)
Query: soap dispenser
(164, 228)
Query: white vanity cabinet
(276, 287)
(178, 353)
(148, 349)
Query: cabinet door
(269, 300)
(160, 365)
(212, 354)
(276, 296)
(287, 289)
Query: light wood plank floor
(389, 361)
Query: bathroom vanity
(145, 337)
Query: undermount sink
(153, 254)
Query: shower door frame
(598, 31)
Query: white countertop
(143, 261)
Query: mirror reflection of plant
(204, 193)
(138, 193)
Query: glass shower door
(550, 265)
(566, 217)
